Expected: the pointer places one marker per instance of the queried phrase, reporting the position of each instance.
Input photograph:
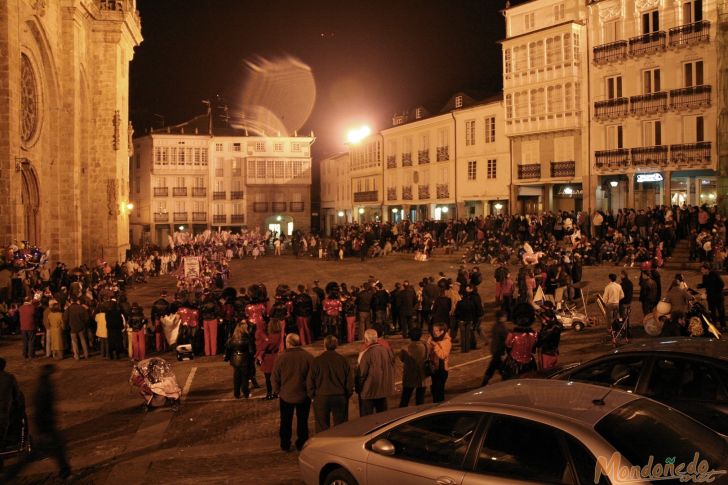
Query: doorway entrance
(30, 195)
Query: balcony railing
(611, 108)
(260, 206)
(296, 206)
(367, 196)
(647, 43)
(649, 156)
(161, 217)
(161, 191)
(391, 161)
(278, 206)
(442, 191)
(407, 192)
(180, 216)
(563, 169)
(690, 34)
(392, 193)
(423, 156)
(199, 216)
(612, 52)
(423, 191)
(529, 171)
(237, 219)
(237, 172)
(199, 191)
(237, 195)
(219, 219)
(612, 159)
(648, 103)
(443, 154)
(406, 159)
(179, 191)
(691, 153)
(219, 195)
(692, 97)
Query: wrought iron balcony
(199, 216)
(423, 191)
(278, 206)
(563, 169)
(529, 171)
(199, 191)
(612, 159)
(649, 156)
(367, 196)
(180, 216)
(296, 206)
(690, 34)
(179, 191)
(442, 191)
(407, 192)
(219, 219)
(161, 191)
(647, 43)
(612, 52)
(161, 217)
(260, 206)
(406, 159)
(219, 195)
(423, 156)
(443, 154)
(392, 193)
(237, 218)
(237, 195)
(648, 103)
(391, 161)
(692, 97)
(611, 108)
(691, 153)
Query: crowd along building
(206, 174)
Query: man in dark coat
(114, 328)
(364, 308)
(9, 395)
(76, 318)
(466, 314)
(160, 308)
(498, 335)
(713, 284)
(406, 302)
(330, 384)
(430, 292)
(290, 376)
(302, 311)
(625, 303)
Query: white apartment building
(336, 201)
(195, 176)
(483, 163)
(365, 171)
(655, 101)
(419, 176)
(546, 104)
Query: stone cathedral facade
(64, 129)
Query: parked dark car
(690, 375)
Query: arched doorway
(31, 203)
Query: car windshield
(644, 429)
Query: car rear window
(643, 428)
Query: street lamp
(498, 206)
(395, 210)
(341, 214)
(358, 134)
(279, 218)
(361, 210)
(568, 190)
(614, 184)
(129, 206)
(181, 228)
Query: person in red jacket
(268, 343)
(26, 313)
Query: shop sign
(649, 177)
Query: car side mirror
(383, 447)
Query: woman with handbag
(237, 352)
(417, 368)
(268, 344)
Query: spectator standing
(237, 353)
(648, 293)
(26, 313)
(497, 346)
(330, 384)
(613, 294)
(375, 375)
(406, 303)
(414, 378)
(625, 304)
(440, 346)
(76, 319)
(713, 285)
(290, 376)
(364, 308)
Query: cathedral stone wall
(64, 125)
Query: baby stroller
(157, 383)
(17, 439)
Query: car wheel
(340, 477)
(578, 326)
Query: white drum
(652, 325)
(664, 307)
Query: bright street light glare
(358, 134)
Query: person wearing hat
(521, 342)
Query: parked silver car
(514, 432)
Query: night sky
(369, 58)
